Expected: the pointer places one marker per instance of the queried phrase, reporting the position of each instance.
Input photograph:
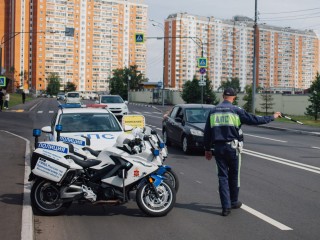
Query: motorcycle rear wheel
(45, 198)
(153, 206)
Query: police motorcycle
(143, 142)
(61, 177)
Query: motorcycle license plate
(49, 170)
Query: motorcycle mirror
(153, 131)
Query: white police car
(95, 122)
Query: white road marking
(51, 111)
(199, 182)
(276, 140)
(316, 147)
(265, 218)
(40, 111)
(291, 163)
(160, 129)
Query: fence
(289, 104)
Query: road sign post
(139, 38)
(2, 81)
(202, 62)
(202, 70)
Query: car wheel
(165, 138)
(185, 146)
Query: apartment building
(286, 58)
(80, 40)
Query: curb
(317, 134)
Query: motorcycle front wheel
(45, 198)
(153, 206)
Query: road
(280, 177)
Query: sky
(296, 14)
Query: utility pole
(161, 26)
(255, 33)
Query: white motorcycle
(143, 143)
(60, 177)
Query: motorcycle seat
(85, 163)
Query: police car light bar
(96, 105)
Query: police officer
(223, 130)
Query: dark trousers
(1, 104)
(228, 165)
(6, 104)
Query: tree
(233, 83)
(248, 98)
(53, 84)
(118, 84)
(70, 87)
(191, 92)
(211, 97)
(314, 108)
(267, 101)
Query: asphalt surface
(13, 163)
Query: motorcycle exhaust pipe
(71, 191)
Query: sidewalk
(16, 217)
(293, 127)
(26, 106)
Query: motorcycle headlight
(196, 132)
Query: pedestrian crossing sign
(2, 81)
(202, 62)
(139, 38)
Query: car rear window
(73, 95)
(197, 115)
(111, 99)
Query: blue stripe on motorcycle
(162, 169)
(157, 179)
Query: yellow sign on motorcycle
(133, 121)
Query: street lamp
(129, 78)
(161, 26)
(254, 75)
(193, 39)
(3, 41)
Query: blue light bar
(70, 105)
(36, 132)
(58, 128)
(156, 152)
(161, 145)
